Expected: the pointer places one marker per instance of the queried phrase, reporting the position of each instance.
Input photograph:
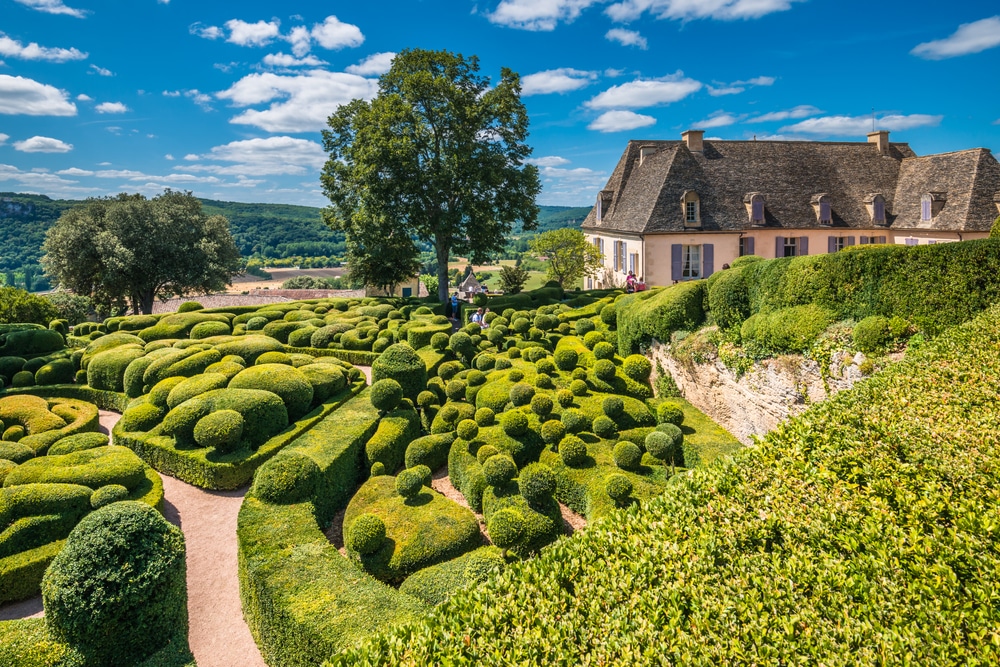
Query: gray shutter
(779, 246)
(850, 240)
(707, 260)
(864, 240)
(675, 261)
(881, 239)
(803, 245)
(831, 244)
(749, 245)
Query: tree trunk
(144, 302)
(441, 247)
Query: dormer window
(754, 203)
(996, 200)
(691, 208)
(603, 203)
(875, 204)
(821, 205)
(930, 205)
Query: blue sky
(228, 99)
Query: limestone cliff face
(770, 392)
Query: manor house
(679, 210)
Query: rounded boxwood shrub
(536, 483)
(189, 306)
(521, 394)
(565, 397)
(514, 423)
(455, 390)
(506, 527)
(273, 357)
(627, 455)
(515, 375)
(449, 370)
(400, 363)
(288, 383)
(23, 379)
(592, 339)
(57, 371)
(256, 323)
(107, 494)
(573, 451)
(467, 429)
(637, 367)
(381, 345)
(13, 433)
(666, 443)
(439, 341)
(521, 325)
(377, 470)
(553, 431)
(609, 315)
(670, 413)
(579, 374)
(514, 352)
(584, 326)
(729, 298)
(565, 359)
(872, 334)
(425, 399)
(541, 405)
(574, 420)
(499, 470)
(485, 417)
(578, 388)
(461, 344)
(485, 362)
(288, 478)
(545, 366)
(618, 487)
(604, 369)
(604, 427)
(366, 535)
(209, 329)
(475, 378)
(502, 364)
(482, 563)
(117, 591)
(222, 429)
(15, 452)
(409, 482)
(142, 417)
(613, 406)
(485, 452)
(385, 395)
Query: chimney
(881, 139)
(693, 139)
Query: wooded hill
(267, 230)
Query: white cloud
(169, 157)
(192, 157)
(619, 121)
(374, 65)
(333, 34)
(646, 92)
(101, 71)
(262, 157)
(42, 182)
(19, 95)
(861, 125)
(111, 107)
(560, 80)
(537, 14)
(626, 38)
(52, 7)
(728, 90)
(42, 145)
(548, 161)
(737, 87)
(14, 49)
(74, 171)
(726, 10)
(717, 119)
(3, 138)
(84, 98)
(201, 99)
(299, 103)
(300, 39)
(757, 81)
(171, 93)
(287, 60)
(801, 111)
(260, 33)
(206, 31)
(969, 38)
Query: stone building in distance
(679, 210)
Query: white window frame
(793, 243)
(691, 211)
(691, 262)
(840, 243)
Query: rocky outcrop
(754, 403)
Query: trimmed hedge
(858, 533)
(645, 316)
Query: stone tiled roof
(646, 198)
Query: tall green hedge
(862, 532)
(644, 316)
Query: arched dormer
(875, 205)
(755, 204)
(821, 205)
(931, 204)
(603, 204)
(691, 208)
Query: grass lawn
(536, 279)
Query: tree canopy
(438, 155)
(570, 256)
(129, 250)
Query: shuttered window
(925, 208)
(757, 210)
(825, 217)
(878, 210)
(746, 246)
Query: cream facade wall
(655, 263)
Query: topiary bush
(627, 455)
(409, 482)
(222, 430)
(619, 488)
(467, 429)
(521, 393)
(485, 417)
(573, 451)
(637, 367)
(578, 388)
(666, 443)
(604, 427)
(366, 535)
(110, 493)
(872, 334)
(506, 527)
(499, 470)
(566, 359)
(385, 395)
(294, 389)
(117, 590)
(288, 478)
(612, 406)
(400, 363)
(537, 483)
(541, 405)
(669, 413)
(514, 423)
(485, 452)
(483, 563)
(455, 390)
(604, 369)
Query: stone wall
(756, 402)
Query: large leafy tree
(570, 257)
(438, 155)
(130, 250)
